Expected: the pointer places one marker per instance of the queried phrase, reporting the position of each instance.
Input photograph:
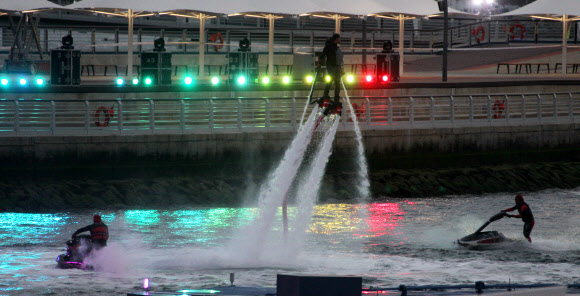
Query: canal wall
(47, 149)
(52, 173)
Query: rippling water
(396, 242)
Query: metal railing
(195, 116)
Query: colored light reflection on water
(384, 218)
(373, 220)
(340, 218)
(207, 225)
(29, 228)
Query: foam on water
(251, 242)
(362, 182)
(308, 189)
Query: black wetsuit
(333, 56)
(526, 214)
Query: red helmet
(97, 219)
(519, 199)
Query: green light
(188, 80)
(327, 78)
(120, 81)
(265, 80)
(22, 81)
(215, 81)
(349, 78)
(241, 80)
(39, 81)
(286, 79)
(135, 81)
(309, 79)
(4, 81)
(148, 81)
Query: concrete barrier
(33, 149)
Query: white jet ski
(484, 238)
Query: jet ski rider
(99, 232)
(525, 213)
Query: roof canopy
(190, 8)
(548, 9)
(412, 9)
(26, 6)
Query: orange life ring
(522, 30)
(479, 34)
(498, 107)
(217, 38)
(107, 113)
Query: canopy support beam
(130, 17)
(401, 43)
(202, 18)
(337, 18)
(564, 44)
(271, 19)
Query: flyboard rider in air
(331, 57)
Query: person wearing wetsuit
(99, 232)
(334, 63)
(525, 213)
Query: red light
(369, 78)
(385, 78)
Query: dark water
(388, 242)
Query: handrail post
(211, 115)
(411, 111)
(452, 110)
(268, 114)
(571, 107)
(17, 117)
(120, 102)
(52, 117)
(368, 113)
(390, 112)
(555, 113)
(489, 108)
(432, 110)
(507, 109)
(87, 117)
(182, 115)
(524, 115)
(240, 114)
(152, 116)
(539, 109)
(294, 113)
(471, 110)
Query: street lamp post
(444, 8)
